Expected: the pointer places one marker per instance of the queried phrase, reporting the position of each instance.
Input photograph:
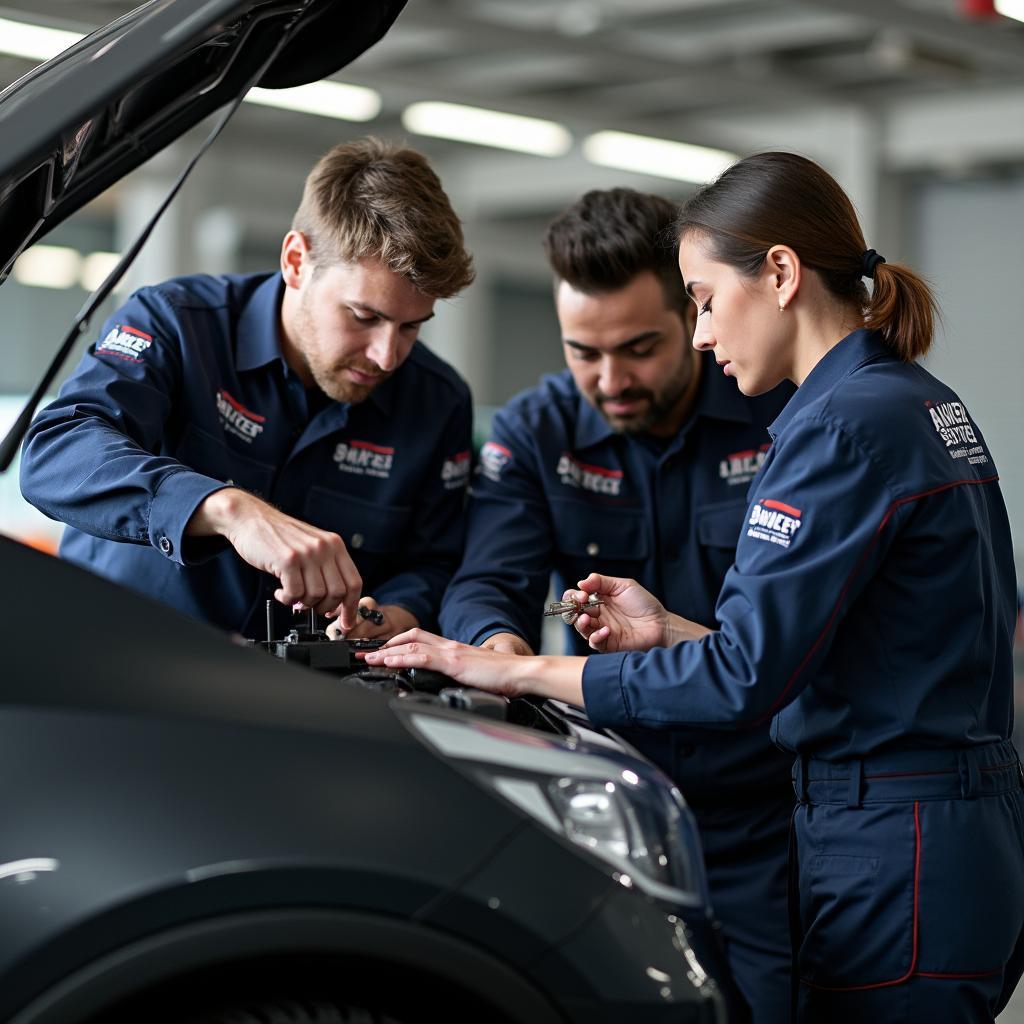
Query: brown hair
(368, 199)
(606, 238)
(783, 199)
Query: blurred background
(917, 107)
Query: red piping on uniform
(912, 969)
(781, 699)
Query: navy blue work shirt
(557, 490)
(871, 606)
(187, 392)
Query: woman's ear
(782, 265)
(295, 258)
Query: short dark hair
(607, 238)
(368, 199)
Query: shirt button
(593, 549)
(357, 540)
(165, 545)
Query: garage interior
(916, 106)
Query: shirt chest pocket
(368, 528)
(719, 524)
(212, 457)
(599, 539)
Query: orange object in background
(39, 541)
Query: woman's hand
(474, 666)
(629, 618)
(510, 675)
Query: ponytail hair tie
(868, 262)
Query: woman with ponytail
(869, 614)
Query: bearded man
(635, 461)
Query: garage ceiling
(917, 79)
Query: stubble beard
(659, 403)
(330, 379)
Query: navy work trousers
(745, 853)
(910, 870)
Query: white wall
(966, 237)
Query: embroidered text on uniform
(125, 342)
(237, 420)
(364, 458)
(774, 521)
(598, 479)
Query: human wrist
(507, 643)
(676, 629)
(219, 512)
(553, 677)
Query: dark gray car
(194, 830)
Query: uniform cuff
(173, 504)
(493, 630)
(603, 693)
(412, 603)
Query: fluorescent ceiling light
(96, 267)
(48, 266)
(661, 157)
(1011, 8)
(487, 128)
(328, 99)
(34, 42)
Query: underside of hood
(83, 120)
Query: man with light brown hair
(231, 439)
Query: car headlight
(617, 808)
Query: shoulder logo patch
(494, 458)
(455, 471)
(124, 342)
(954, 426)
(774, 521)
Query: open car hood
(83, 120)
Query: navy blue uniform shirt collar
(717, 397)
(863, 346)
(259, 340)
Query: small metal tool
(373, 614)
(571, 610)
